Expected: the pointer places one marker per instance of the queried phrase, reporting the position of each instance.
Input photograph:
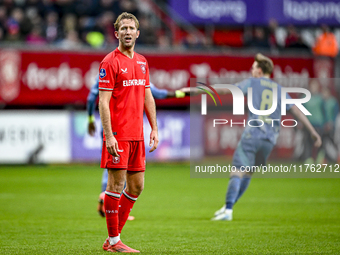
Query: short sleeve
(244, 85)
(158, 93)
(106, 76)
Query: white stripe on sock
(132, 198)
(112, 194)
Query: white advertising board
(41, 136)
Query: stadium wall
(30, 136)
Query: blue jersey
(94, 92)
(262, 89)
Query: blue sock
(244, 185)
(104, 179)
(232, 192)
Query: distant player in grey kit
(256, 143)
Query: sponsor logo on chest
(134, 82)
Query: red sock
(126, 203)
(111, 205)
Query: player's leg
(245, 181)
(246, 176)
(104, 180)
(134, 181)
(100, 207)
(244, 156)
(265, 147)
(115, 185)
(117, 168)
(134, 187)
(226, 212)
(234, 186)
(116, 181)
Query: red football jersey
(127, 79)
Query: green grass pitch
(52, 210)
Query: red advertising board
(59, 78)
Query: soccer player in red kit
(124, 92)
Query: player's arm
(163, 93)
(168, 94)
(90, 107)
(219, 88)
(150, 110)
(177, 94)
(302, 118)
(104, 111)
(189, 91)
(158, 93)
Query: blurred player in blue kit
(256, 143)
(91, 106)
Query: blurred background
(50, 52)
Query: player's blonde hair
(126, 15)
(265, 63)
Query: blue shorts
(252, 152)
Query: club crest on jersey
(102, 73)
(143, 67)
(115, 160)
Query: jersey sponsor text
(134, 82)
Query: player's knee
(237, 173)
(136, 189)
(248, 174)
(116, 186)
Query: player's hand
(112, 146)
(179, 94)
(91, 128)
(153, 140)
(191, 91)
(186, 90)
(317, 139)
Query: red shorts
(132, 156)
